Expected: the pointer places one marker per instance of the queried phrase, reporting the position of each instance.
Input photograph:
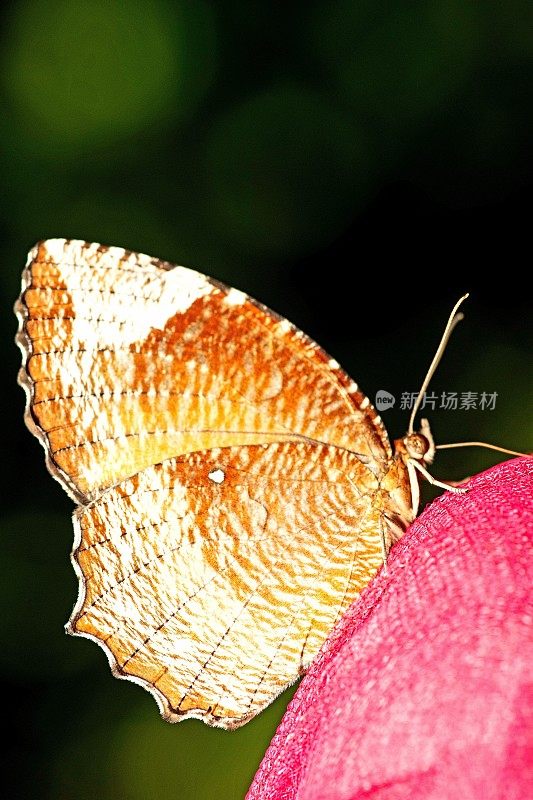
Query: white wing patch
(136, 303)
(173, 293)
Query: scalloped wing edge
(165, 709)
(23, 342)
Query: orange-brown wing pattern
(213, 578)
(235, 487)
(128, 361)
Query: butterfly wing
(234, 484)
(213, 578)
(128, 361)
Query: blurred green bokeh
(432, 52)
(354, 165)
(87, 73)
(291, 159)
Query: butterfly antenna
(453, 319)
(480, 444)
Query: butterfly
(235, 490)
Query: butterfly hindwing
(214, 578)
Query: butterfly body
(235, 489)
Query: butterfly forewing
(128, 362)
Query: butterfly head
(419, 446)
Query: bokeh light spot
(80, 73)
(396, 64)
(286, 171)
(154, 759)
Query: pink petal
(424, 690)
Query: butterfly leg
(449, 487)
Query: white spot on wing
(332, 364)
(55, 249)
(364, 403)
(235, 298)
(217, 476)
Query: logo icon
(384, 400)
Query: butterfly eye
(416, 445)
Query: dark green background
(354, 165)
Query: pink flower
(425, 688)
